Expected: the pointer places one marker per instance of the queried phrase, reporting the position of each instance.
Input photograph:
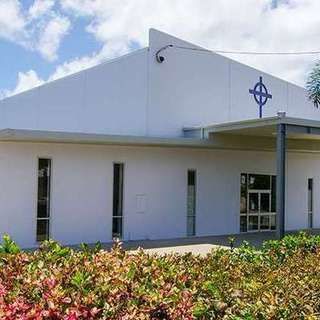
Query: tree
(313, 85)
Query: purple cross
(260, 94)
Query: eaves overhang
(303, 135)
(297, 128)
(39, 136)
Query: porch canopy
(279, 133)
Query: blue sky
(42, 40)
(17, 59)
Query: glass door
(253, 211)
(259, 210)
(257, 204)
(265, 211)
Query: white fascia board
(98, 139)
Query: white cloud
(40, 7)
(12, 22)
(251, 25)
(26, 81)
(41, 28)
(75, 65)
(51, 36)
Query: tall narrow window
(310, 203)
(117, 217)
(191, 203)
(43, 203)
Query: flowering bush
(281, 281)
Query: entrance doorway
(257, 204)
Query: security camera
(160, 59)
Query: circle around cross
(260, 94)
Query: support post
(281, 179)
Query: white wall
(109, 98)
(300, 168)
(193, 88)
(82, 190)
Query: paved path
(195, 245)
(199, 245)
(197, 249)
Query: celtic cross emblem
(260, 94)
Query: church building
(169, 141)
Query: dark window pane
(253, 223)
(253, 202)
(243, 223)
(259, 182)
(42, 230)
(117, 227)
(310, 203)
(191, 230)
(264, 222)
(191, 193)
(42, 208)
(244, 194)
(265, 202)
(191, 202)
(310, 220)
(244, 180)
(43, 201)
(310, 191)
(117, 189)
(117, 199)
(273, 222)
(44, 177)
(191, 178)
(243, 204)
(273, 194)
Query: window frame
(49, 218)
(194, 216)
(122, 200)
(310, 211)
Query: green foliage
(279, 281)
(248, 253)
(89, 250)
(313, 85)
(8, 245)
(81, 280)
(290, 244)
(232, 241)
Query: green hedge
(280, 281)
